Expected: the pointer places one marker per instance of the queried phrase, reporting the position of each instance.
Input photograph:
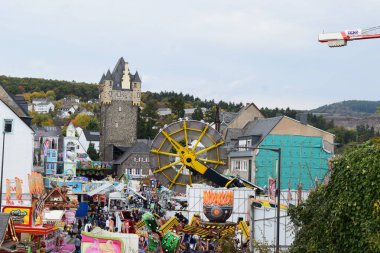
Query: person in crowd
(143, 244)
(79, 223)
(111, 225)
(77, 244)
(107, 224)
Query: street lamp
(7, 129)
(278, 151)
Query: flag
(272, 188)
(45, 147)
(289, 192)
(299, 193)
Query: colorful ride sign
(22, 216)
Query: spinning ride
(187, 152)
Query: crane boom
(340, 39)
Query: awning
(35, 230)
(137, 194)
(53, 215)
(100, 189)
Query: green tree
(177, 104)
(197, 114)
(93, 125)
(210, 115)
(343, 216)
(91, 152)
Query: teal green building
(305, 152)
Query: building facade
(120, 96)
(17, 137)
(305, 152)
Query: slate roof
(46, 131)
(17, 104)
(225, 118)
(136, 77)
(141, 146)
(257, 129)
(91, 135)
(117, 75)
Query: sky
(266, 52)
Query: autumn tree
(81, 120)
(39, 119)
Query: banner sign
(76, 187)
(93, 165)
(92, 244)
(69, 217)
(22, 216)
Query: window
(241, 165)
(119, 108)
(249, 143)
(138, 94)
(116, 124)
(8, 125)
(118, 93)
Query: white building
(164, 111)
(73, 151)
(88, 137)
(66, 110)
(44, 107)
(18, 140)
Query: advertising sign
(51, 155)
(353, 32)
(69, 169)
(92, 244)
(22, 216)
(69, 217)
(76, 187)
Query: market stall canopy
(116, 195)
(53, 215)
(104, 187)
(137, 194)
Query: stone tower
(120, 93)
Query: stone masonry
(120, 93)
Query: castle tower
(120, 96)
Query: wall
(135, 161)
(294, 127)
(118, 128)
(247, 114)
(18, 152)
(303, 159)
